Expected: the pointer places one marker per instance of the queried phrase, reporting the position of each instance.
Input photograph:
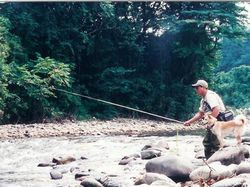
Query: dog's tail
(241, 119)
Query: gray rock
(233, 182)
(127, 159)
(111, 181)
(55, 174)
(229, 155)
(46, 165)
(244, 167)
(149, 178)
(91, 182)
(162, 144)
(150, 153)
(200, 154)
(65, 160)
(213, 171)
(176, 168)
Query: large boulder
(229, 155)
(176, 168)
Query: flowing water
(19, 158)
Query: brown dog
(221, 129)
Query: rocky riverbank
(114, 153)
(119, 126)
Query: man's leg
(211, 144)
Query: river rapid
(20, 157)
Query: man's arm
(215, 112)
(195, 118)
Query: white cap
(200, 83)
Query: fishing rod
(129, 108)
(118, 105)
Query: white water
(19, 158)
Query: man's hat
(200, 83)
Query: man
(210, 102)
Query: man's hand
(187, 123)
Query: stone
(176, 168)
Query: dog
(237, 127)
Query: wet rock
(176, 168)
(246, 140)
(82, 174)
(55, 174)
(83, 158)
(46, 165)
(162, 145)
(229, 155)
(150, 153)
(200, 154)
(149, 178)
(109, 181)
(125, 160)
(61, 160)
(91, 182)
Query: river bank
(98, 147)
(118, 126)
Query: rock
(176, 168)
(162, 144)
(126, 160)
(150, 153)
(149, 178)
(55, 174)
(229, 155)
(60, 160)
(245, 176)
(83, 158)
(246, 139)
(82, 174)
(162, 183)
(46, 164)
(109, 181)
(91, 182)
(200, 154)
(230, 182)
(244, 167)
(214, 170)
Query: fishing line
(118, 105)
(129, 108)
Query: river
(20, 157)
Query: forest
(143, 55)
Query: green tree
(234, 86)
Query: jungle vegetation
(143, 55)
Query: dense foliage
(234, 86)
(235, 53)
(143, 55)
